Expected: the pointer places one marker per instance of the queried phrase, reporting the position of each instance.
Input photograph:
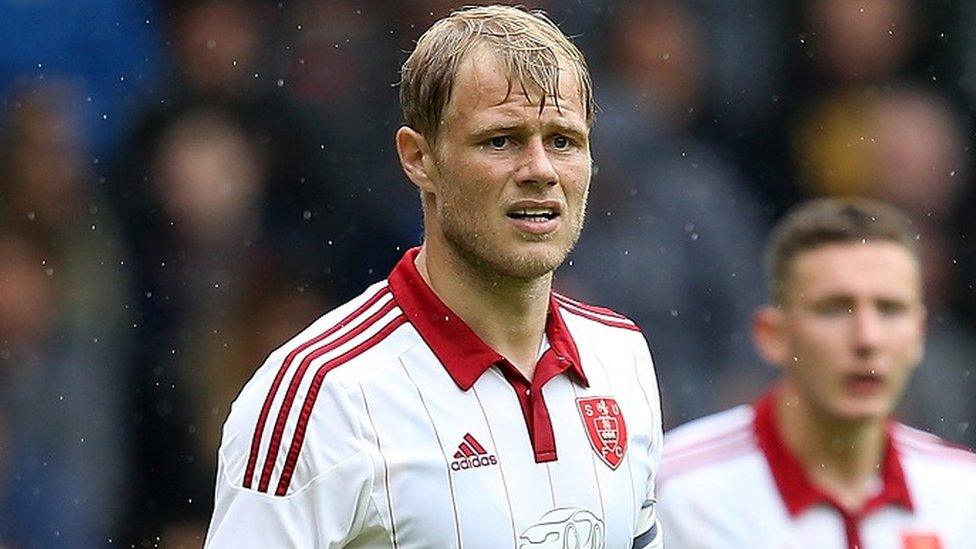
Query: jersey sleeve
(648, 534)
(299, 475)
(326, 513)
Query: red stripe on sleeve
(591, 308)
(296, 443)
(266, 408)
(275, 443)
(580, 312)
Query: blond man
(460, 402)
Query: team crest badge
(915, 540)
(605, 427)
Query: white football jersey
(389, 423)
(727, 481)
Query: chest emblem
(605, 427)
(914, 540)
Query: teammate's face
(852, 329)
(510, 185)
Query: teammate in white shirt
(460, 402)
(818, 462)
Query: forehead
(484, 86)
(870, 269)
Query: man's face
(510, 183)
(852, 328)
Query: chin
(518, 259)
(527, 266)
(860, 411)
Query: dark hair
(830, 221)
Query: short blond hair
(529, 45)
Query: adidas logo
(471, 455)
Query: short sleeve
(293, 468)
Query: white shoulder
(935, 452)
(264, 440)
(708, 442)
(593, 317)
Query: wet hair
(528, 44)
(832, 221)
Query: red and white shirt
(389, 423)
(728, 481)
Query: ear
(416, 158)
(769, 337)
(923, 328)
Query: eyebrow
(514, 125)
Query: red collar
(798, 491)
(464, 355)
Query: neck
(843, 458)
(507, 314)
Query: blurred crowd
(186, 184)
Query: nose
(868, 331)
(537, 167)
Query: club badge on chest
(605, 427)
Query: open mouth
(865, 383)
(535, 215)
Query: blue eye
(498, 142)
(561, 142)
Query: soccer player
(818, 461)
(460, 402)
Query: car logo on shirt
(565, 527)
(471, 455)
(605, 427)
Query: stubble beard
(488, 253)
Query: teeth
(533, 212)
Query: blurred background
(186, 184)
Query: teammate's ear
(416, 158)
(768, 336)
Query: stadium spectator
(63, 344)
(675, 228)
